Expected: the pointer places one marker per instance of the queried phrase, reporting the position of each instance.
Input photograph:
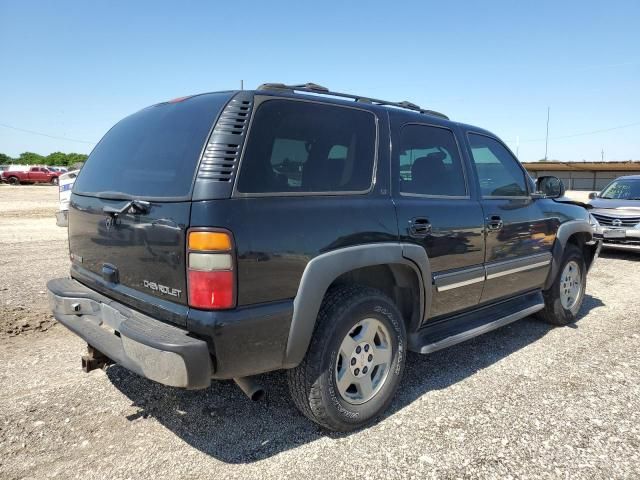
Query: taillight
(210, 270)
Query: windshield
(154, 152)
(626, 189)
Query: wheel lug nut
(357, 371)
(358, 349)
(366, 347)
(353, 361)
(364, 370)
(370, 357)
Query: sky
(69, 70)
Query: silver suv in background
(616, 213)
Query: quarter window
(298, 147)
(498, 171)
(430, 163)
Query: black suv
(228, 234)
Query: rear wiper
(138, 206)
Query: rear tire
(355, 361)
(563, 300)
(13, 181)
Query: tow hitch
(94, 359)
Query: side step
(460, 328)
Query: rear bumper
(146, 346)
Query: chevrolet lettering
(174, 292)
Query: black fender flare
(565, 231)
(322, 270)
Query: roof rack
(314, 88)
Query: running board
(460, 328)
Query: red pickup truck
(33, 175)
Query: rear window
(154, 152)
(298, 147)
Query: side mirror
(593, 195)
(551, 187)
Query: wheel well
(581, 240)
(399, 282)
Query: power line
(33, 132)
(582, 133)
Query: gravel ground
(32, 250)
(525, 401)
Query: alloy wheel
(363, 361)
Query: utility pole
(546, 143)
(241, 84)
(517, 146)
(602, 154)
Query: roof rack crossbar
(315, 88)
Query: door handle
(494, 222)
(419, 227)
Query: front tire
(54, 181)
(13, 181)
(355, 361)
(563, 300)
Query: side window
(35, 169)
(430, 163)
(297, 147)
(499, 173)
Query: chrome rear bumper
(144, 345)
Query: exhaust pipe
(250, 387)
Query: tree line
(55, 159)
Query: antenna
(546, 143)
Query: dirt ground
(33, 250)
(525, 401)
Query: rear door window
(304, 147)
(154, 152)
(430, 162)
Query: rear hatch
(131, 203)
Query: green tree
(73, 158)
(30, 158)
(56, 159)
